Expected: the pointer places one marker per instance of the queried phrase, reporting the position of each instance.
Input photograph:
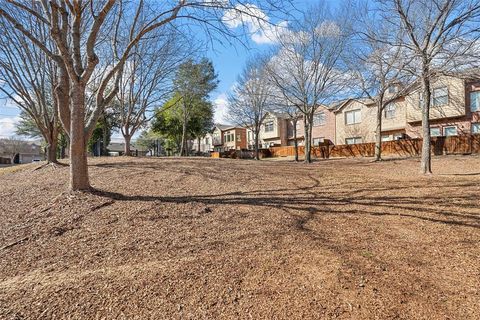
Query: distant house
(19, 151)
(118, 148)
(323, 126)
(203, 145)
(273, 131)
(227, 137)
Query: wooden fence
(465, 144)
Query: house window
(387, 137)
(450, 131)
(476, 127)
(269, 126)
(435, 132)
(207, 141)
(397, 136)
(352, 117)
(440, 96)
(317, 141)
(390, 110)
(354, 140)
(239, 138)
(475, 101)
(319, 119)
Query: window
(207, 141)
(269, 126)
(354, 140)
(476, 128)
(354, 116)
(475, 101)
(386, 138)
(239, 138)
(229, 137)
(420, 100)
(450, 131)
(319, 119)
(440, 96)
(390, 110)
(435, 132)
(397, 136)
(317, 141)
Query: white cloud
(220, 104)
(255, 21)
(8, 125)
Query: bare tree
(380, 70)
(78, 28)
(248, 103)
(147, 80)
(28, 80)
(435, 34)
(307, 68)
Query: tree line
(359, 49)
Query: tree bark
(52, 151)
(257, 133)
(183, 146)
(378, 138)
(307, 125)
(78, 138)
(199, 151)
(426, 160)
(127, 145)
(295, 141)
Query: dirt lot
(232, 239)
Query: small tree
(248, 103)
(193, 83)
(307, 67)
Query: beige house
(356, 121)
(273, 131)
(455, 107)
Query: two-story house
(273, 131)
(455, 107)
(356, 121)
(227, 137)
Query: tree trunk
(295, 141)
(378, 138)
(127, 145)
(257, 133)
(78, 149)
(426, 161)
(104, 144)
(52, 151)
(307, 125)
(183, 149)
(199, 151)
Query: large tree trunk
(378, 131)
(295, 141)
(78, 138)
(127, 145)
(52, 151)
(426, 161)
(199, 151)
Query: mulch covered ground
(231, 239)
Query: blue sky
(228, 59)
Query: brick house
(226, 137)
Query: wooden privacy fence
(465, 144)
